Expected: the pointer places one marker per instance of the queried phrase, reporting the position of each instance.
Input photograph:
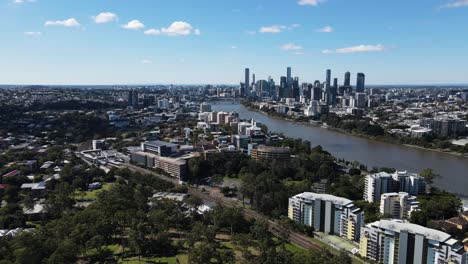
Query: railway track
(294, 237)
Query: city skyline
(147, 42)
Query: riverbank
(376, 139)
(359, 135)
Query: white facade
(327, 213)
(398, 205)
(398, 242)
(401, 181)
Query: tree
(60, 200)
(429, 176)
(201, 253)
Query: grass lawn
(91, 195)
(232, 179)
(294, 249)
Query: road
(295, 238)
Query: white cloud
(277, 28)
(309, 2)
(233, 47)
(105, 17)
(272, 29)
(177, 28)
(250, 32)
(33, 33)
(22, 1)
(152, 31)
(291, 46)
(355, 49)
(326, 29)
(71, 22)
(298, 53)
(134, 25)
(456, 4)
(146, 61)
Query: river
(454, 169)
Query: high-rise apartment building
(376, 185)
(379, 183)
(360, 83)
(247, 82)
(398, 205)
(327, 213)
(445, 126)
(360, 99)
(398, 242)
(347, 79)
(205, 107)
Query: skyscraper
(347, 79)
(295, 89)
(328, 80)
(133, 98)
(247, 82)
(130, 98)
(333, 92)
(283, 87)
(288, 76)
(327, 92)
(360, 83)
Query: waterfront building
(445, 126)
(205, 107)
(267, 153)
(411, 183)
(376, 185)
(397, 242)
(379, 183)
(328, 214)
(312, 109)
(398, 205)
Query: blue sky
(211, 41)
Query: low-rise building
(160, 148)
(175, 167)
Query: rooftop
(325, 197)
(159, 143)
(399, 225)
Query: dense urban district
(426, 116)
(151, 174)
